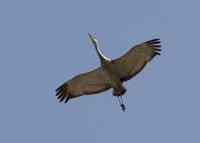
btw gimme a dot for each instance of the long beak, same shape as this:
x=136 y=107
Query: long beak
x=92 y=39
x=103 y=59
x=90 y=35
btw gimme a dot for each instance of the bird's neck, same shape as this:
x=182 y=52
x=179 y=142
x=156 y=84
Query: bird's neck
x=103 y=59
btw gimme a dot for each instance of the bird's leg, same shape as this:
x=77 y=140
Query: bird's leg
x=121 y=103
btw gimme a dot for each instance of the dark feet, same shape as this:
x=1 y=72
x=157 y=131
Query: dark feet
x=123 y=107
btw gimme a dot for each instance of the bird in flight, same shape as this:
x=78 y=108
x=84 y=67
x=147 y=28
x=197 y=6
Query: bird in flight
x=111 y=73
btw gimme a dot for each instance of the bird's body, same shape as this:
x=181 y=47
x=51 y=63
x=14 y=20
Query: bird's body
x=111 y=73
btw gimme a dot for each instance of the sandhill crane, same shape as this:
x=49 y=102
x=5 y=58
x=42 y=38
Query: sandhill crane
x=111 y=73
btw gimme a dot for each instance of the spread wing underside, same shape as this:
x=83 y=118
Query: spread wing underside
x=136 y=58
x=83 y=84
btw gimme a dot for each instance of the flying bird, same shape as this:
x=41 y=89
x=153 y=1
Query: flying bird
x=111 y=73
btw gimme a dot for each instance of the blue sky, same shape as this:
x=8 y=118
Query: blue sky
x=45 y=42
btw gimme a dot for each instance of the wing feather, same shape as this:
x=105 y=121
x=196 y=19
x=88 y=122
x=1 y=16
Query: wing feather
x=136 y=58
x=83 y=84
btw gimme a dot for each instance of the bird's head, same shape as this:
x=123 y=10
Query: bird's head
x=93 y=39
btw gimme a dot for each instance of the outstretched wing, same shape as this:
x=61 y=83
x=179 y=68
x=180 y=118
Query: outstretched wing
x=136 y=58
x=83 y=84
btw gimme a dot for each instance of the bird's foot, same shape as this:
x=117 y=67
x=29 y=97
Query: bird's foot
x=123 y=107
x=121 y=103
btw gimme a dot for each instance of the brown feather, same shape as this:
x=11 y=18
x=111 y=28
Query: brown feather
x=131 y=63
x=126 y=67
x=83 y=84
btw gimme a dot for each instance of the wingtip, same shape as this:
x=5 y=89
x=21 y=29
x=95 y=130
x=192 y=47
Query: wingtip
x=157 y=49
x=67 y=99
x=157 y=53
x=56 y=90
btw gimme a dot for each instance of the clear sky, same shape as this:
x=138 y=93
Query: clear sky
x=43 y=43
